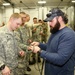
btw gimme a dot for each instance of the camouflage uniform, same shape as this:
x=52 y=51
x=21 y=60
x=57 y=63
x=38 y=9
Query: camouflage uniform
x=36 y=29
x=36 y=33
x=8 y=49
x=22 y=37
x=29 y=31
x=45 y=32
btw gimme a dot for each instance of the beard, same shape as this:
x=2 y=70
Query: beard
x=56 y=28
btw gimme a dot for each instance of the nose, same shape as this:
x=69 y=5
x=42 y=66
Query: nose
x=18 y=26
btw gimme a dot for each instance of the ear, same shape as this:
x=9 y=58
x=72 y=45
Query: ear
x=11 y=19
x=60 y=19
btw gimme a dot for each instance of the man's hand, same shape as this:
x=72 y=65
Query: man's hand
x=29 y=41
x=34 y=30
x=34 y=49
x=34 y=44
x=22 y=53
x=6 y=71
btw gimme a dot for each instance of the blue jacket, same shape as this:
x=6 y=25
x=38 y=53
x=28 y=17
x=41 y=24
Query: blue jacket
x=59 y=53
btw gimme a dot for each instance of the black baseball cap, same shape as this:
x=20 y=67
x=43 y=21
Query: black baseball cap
x=53 y=13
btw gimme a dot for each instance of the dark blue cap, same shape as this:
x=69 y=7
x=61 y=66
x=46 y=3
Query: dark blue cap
x=53 y=13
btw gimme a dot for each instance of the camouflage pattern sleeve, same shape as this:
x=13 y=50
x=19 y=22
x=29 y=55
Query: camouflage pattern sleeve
x=19 y=40
x=2 y=59
x=8 y=48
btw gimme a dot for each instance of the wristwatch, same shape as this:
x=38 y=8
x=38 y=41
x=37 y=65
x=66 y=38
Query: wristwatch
x=2 y=67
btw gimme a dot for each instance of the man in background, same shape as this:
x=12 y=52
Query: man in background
x=28 y=26
x=22 y=37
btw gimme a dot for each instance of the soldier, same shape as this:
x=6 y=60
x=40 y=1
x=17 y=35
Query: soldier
x=36 y=29
x=36 y=36
x=40 y=29
x=29 y=31
x=22 y=36
x=45 y=32
x=9 y=49
x=28 y=26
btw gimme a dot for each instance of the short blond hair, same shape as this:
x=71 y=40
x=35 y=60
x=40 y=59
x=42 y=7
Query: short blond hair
x=22 y=13
x=15 y=16
x=27 y=15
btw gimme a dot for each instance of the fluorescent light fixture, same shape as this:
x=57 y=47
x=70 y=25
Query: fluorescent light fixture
x=41 y=2
x=6 y=4
x=73 y=1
